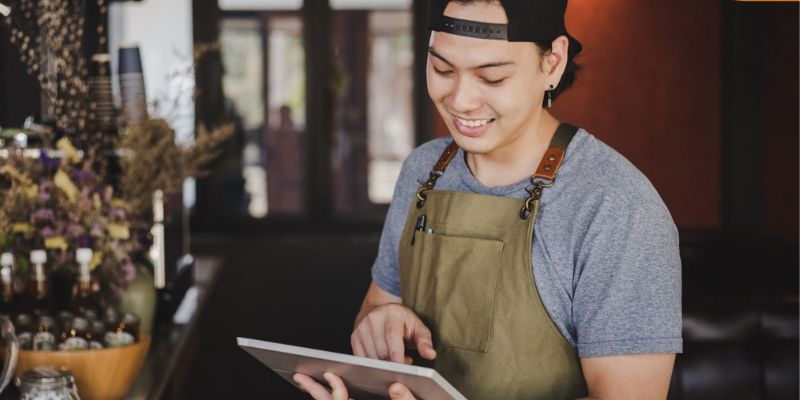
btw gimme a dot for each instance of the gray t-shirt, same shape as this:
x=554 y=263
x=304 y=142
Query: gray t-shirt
x=605 y=248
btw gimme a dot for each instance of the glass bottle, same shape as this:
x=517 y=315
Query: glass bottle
x=64 y=318
x=38 y=296
x=23 y=324
x=95 y=334
x=90 y=315
x=45 y=337
x=8 y=297
x=122 y=333
x=83 y=299
x=75 y=335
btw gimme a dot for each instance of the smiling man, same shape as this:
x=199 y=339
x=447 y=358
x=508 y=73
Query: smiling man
x=521 y=257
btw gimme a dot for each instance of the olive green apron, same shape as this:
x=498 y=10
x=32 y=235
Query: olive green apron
x=465 y=269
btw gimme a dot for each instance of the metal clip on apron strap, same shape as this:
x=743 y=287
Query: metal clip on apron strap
x=548 y=168
x=438 y=170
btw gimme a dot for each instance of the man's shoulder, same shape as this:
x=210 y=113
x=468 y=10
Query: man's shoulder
x=600 y=187
x=603 y=170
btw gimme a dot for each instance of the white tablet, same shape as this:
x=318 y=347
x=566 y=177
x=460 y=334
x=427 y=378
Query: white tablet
x=365 y=378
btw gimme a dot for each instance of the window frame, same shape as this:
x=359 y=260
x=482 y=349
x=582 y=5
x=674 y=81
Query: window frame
x=318 y=215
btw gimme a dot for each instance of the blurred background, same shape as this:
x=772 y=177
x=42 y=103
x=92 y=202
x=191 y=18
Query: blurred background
x=328 y=98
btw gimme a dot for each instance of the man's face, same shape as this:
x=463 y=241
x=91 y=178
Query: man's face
x=488 y=92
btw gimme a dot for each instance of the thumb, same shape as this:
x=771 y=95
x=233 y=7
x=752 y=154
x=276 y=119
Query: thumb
x=399 y=392
x=421 y=336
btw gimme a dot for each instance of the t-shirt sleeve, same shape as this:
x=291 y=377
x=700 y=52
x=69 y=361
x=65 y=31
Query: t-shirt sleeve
x=627 y=299
x=385 y=271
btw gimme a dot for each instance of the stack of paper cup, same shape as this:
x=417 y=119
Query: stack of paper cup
x=5 y=10
x=102 y=114
x=131 y=84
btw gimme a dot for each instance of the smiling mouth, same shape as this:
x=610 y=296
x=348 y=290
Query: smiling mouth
x=473 y=123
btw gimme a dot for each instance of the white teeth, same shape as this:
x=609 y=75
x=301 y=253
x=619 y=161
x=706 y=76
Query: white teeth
x=473 y=123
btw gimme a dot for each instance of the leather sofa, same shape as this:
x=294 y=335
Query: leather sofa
x=740 y=316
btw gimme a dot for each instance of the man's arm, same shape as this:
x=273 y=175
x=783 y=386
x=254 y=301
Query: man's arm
x=636 y=376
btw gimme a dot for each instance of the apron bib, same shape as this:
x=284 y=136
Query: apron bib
x=465 y=269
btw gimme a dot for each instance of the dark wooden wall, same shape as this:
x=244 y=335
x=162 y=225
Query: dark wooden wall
x=702 y=97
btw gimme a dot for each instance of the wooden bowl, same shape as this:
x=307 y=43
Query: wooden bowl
x=101 y=374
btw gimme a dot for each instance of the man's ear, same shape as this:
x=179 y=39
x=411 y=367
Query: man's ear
x=555 y=61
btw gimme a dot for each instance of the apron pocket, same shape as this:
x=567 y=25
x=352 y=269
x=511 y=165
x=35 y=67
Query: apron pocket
x=462 y=279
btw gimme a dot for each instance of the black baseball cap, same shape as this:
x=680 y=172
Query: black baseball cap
x=528 y=21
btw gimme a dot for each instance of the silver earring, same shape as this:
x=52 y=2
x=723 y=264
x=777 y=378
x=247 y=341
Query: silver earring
x=549 y=93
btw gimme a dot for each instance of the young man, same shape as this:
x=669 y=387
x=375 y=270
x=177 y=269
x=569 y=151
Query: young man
x=523 y=258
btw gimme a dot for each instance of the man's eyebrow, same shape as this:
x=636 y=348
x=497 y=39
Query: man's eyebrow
x=439 y=56
x=487 y=65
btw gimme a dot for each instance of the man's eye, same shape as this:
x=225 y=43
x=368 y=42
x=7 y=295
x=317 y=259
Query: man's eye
x=442 y=73
x=493 y=82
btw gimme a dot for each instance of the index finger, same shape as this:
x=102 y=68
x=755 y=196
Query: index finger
x=394 y=334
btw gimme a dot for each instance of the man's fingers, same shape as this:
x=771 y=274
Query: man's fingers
x=399 y=392
x=385 y=332
x=317 y=391
x=421 y=335
x=339 y=390
x=394 y=339
x=366 y=341
x=355 y=343
x=377 y=328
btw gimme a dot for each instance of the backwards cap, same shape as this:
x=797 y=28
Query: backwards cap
x=528 y=21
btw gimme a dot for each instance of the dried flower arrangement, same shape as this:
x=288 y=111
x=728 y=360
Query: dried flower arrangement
x=60 y=204
x=157 y=163
x=64 y=199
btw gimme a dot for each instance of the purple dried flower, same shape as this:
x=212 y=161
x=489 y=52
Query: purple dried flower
x=81 y=178
x=83 y=240
x=42 y=214
x=50 y=164
x=44 y=197
x=47 y=232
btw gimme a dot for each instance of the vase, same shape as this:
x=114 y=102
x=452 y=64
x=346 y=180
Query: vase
x=140 y=297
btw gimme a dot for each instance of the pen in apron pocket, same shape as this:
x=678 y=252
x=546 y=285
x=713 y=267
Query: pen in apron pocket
x=421 y=222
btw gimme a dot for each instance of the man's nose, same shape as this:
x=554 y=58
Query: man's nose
x=466 y=96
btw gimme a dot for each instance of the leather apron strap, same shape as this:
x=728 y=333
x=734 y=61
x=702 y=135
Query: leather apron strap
x=547 y=170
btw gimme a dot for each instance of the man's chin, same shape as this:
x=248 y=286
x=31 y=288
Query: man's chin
x=473 y=145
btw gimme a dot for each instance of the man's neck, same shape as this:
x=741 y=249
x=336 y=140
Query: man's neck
x=516 y=160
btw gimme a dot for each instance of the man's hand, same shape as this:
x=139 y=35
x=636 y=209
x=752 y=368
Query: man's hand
x=385 y=330
x=382 y=329
x=338 y=390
